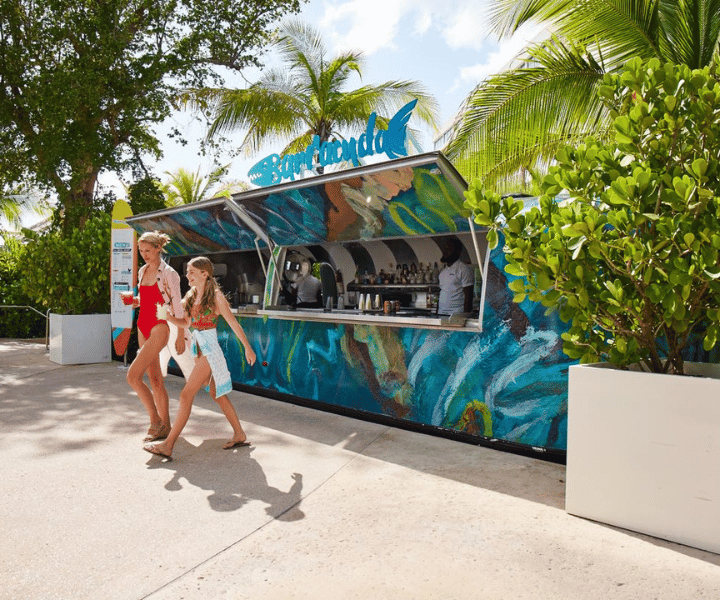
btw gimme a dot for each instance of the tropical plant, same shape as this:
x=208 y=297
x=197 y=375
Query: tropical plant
x=185 y=187
x=631 y=258
x=83 y=82
x=16 y=322
x=306 y=97
x=69 y=274
x=518 y=119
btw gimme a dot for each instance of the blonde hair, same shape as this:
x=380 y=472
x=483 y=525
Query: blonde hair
x=201 y=263
x=156 y=238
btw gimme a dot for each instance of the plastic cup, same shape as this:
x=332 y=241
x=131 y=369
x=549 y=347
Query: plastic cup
x=127 y=298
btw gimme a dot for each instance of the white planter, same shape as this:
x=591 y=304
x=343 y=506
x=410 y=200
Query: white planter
x=80 y=339
x=644 y=451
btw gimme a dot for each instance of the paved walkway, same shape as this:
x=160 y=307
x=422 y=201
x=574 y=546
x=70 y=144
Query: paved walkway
x=321 y=506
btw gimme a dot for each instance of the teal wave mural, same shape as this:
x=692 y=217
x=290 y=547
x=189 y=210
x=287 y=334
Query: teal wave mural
x=508 y=382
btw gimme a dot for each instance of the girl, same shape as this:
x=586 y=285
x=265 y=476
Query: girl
x=202 y=306
x=158 y=284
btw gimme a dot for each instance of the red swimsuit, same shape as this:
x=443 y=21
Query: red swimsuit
x=150 y=297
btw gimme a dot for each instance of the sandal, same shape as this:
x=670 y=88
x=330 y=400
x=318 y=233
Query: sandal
x=153 y=450
x=157 y=432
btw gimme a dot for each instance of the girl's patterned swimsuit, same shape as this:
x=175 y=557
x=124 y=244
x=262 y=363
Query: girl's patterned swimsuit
x=205 y=340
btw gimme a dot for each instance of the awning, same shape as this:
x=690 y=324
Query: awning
x=414 y=196
x=217 y=225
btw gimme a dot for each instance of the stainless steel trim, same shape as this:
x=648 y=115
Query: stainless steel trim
x=355 y=317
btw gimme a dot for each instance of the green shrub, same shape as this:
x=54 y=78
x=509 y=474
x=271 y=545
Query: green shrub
x=630 y=259
x=69 y=274
x=16 y=322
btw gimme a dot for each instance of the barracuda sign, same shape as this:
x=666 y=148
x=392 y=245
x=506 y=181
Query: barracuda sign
x=391 y=141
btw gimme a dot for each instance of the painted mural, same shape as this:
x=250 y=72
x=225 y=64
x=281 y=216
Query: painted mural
x=397 y=202
x=393 y=203
x=507 y=383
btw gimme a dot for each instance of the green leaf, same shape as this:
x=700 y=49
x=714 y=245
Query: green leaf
x=492 y=239
x=699 y=167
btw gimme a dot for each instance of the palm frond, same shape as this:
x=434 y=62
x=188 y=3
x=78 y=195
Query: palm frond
x=505 y=17
x=307 y=96
x=513 y=122
x=520 y=117
x=186 y=187
x=691 y=31
x=301 y=44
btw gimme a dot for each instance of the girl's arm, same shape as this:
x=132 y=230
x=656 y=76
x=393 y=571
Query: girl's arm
x=172 y=285
x=184 y=322
x=181 y=322
x=223 y=309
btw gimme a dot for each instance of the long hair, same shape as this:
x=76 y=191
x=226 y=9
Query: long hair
x=207 y=301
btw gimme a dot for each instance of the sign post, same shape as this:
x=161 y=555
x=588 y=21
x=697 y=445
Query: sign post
x=123 y=272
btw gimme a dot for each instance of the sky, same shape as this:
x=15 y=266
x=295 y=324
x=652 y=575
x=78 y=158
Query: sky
x=448 y=50
x=446 y=46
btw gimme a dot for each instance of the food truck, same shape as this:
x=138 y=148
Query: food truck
x=374 y=346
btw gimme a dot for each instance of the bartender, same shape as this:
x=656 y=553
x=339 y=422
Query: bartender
x=456 y=280
x=304 y=288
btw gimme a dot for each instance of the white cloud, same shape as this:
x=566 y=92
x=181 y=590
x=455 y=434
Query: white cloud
x=370 y=25
x=466 y=26
x=499 y=59
x=356 y=25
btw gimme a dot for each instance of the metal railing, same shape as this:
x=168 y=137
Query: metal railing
x=46 y=316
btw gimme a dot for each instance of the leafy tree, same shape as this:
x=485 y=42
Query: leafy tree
x=69 y=274
x=631 y=258
x=145 y=196
x=518 y=119
x=83 y=81
x=306 y=97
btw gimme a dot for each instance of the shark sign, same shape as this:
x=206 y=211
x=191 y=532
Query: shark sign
x=391 y=141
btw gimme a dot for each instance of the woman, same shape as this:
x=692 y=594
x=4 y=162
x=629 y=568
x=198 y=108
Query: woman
x=203 y=304
x=158 y=284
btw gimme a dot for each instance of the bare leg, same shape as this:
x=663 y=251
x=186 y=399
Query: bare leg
x=146 y=357
x=198 y=378
x=230 y=414
x=159 y=393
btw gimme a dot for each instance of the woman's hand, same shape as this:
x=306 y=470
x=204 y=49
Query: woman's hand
x=180 y=342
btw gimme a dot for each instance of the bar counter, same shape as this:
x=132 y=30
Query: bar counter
x=401 y=318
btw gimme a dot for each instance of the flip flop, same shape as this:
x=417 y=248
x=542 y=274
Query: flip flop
x=236 y=445
x=153 y=450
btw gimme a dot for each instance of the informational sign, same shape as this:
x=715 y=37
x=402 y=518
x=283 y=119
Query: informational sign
x=123 y=272
x=391 y=141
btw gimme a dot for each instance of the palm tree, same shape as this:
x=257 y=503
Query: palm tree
x=306 y=97
x=185 y=187
x=515 y=121
x=19 y=202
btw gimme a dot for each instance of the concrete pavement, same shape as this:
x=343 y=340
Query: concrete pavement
x=321 y=506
